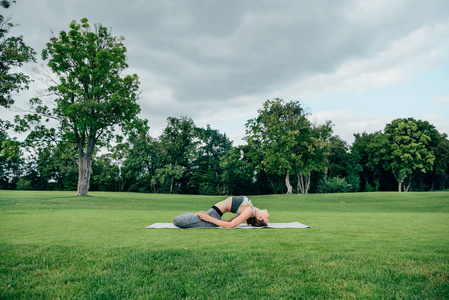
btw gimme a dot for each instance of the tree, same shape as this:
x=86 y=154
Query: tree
x=364 y=152
x=11 y=160
x=276 y=133
x=312 y=155
x=92 y=96
x=51 y=169
x=179 y=145
x=403 y=149
x=211 y=148
x=438 y=146
x=342 y=163
x=141 y=157
x=13 y=54
x=440 y=172
x=338 y=157
x=106 y=174
x=237 y=173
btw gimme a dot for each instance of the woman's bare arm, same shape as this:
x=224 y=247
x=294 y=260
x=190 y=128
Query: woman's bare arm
x=230 y=219
x=233 y=222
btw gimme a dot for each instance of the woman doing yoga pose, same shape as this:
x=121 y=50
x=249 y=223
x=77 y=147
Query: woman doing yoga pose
x=241 y=206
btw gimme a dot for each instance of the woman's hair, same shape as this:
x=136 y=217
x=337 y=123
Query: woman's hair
x=254 y=222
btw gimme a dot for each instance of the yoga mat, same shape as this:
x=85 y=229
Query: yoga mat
x=241 y=226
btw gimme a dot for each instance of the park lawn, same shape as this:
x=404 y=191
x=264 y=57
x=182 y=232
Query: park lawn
x=361 y=245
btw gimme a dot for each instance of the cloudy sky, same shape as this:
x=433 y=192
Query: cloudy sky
x=360 y=64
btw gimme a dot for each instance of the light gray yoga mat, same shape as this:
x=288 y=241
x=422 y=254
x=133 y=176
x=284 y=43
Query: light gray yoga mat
x=241 y=226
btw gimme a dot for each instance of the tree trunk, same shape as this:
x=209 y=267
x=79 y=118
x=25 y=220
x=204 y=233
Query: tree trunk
x=122 y=184
x=85 y=166
x=300 y=184
x=287 y=183
x=303 y=182
x=407 y=187
x=84 y=173
x=171 y=184
x=400 y=178
x=307 y=183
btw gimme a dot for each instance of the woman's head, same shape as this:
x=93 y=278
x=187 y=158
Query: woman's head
x=261 y=218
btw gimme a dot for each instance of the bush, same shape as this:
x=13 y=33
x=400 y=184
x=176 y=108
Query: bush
x=23 y=184
x=334 y=185
x=370 y=188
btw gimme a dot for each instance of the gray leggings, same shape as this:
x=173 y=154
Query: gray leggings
x=190 y=220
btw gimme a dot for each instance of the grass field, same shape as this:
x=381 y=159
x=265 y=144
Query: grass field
x=362 y=245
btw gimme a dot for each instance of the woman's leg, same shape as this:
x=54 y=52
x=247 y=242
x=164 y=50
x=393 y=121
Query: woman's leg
x=190 y=220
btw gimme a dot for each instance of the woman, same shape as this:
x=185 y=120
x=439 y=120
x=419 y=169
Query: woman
x=241 y=206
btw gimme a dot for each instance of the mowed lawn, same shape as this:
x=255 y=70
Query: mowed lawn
x=361 y=245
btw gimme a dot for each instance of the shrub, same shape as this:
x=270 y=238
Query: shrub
x=370 y=188
x=23 y=184
x=334 y=185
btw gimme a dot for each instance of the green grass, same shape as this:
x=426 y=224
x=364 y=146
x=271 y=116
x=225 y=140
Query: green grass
x=362 y=245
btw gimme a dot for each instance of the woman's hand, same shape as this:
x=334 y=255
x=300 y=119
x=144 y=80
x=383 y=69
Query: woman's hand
x=203 y=216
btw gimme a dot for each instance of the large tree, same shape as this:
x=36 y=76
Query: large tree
x=179 y=146
x=13 y=54
x=312 y=153
x=211 y=148
x=403 y=149
x=276 y=133
x=92 y=94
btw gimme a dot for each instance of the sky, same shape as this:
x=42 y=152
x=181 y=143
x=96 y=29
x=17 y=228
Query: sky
x=360 y=64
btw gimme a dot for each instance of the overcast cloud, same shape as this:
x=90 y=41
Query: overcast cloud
x=360 y=64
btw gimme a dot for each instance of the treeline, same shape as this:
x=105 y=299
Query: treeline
x=284 y=153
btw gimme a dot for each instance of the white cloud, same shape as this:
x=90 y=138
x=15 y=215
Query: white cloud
x=348 y=122
x=362 y=11
x=441 y=100
x=399 y=61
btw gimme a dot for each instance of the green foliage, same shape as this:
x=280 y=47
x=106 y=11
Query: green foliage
x=54 y=170
x=23 y=184
x=178 y=145
x=440 y=171
x=334 y=185
x=210 y=165
x=106 y=174
x=13 y=54
x=285 y=142
x=208 y=174
x=344 y=163
x=166 y=174
x=369 y=188
x=11 y=160
x=403 y=149
x=314 y=155
x=92 y=94
x=238 y=172
x=140 y=156
x=276 y=133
